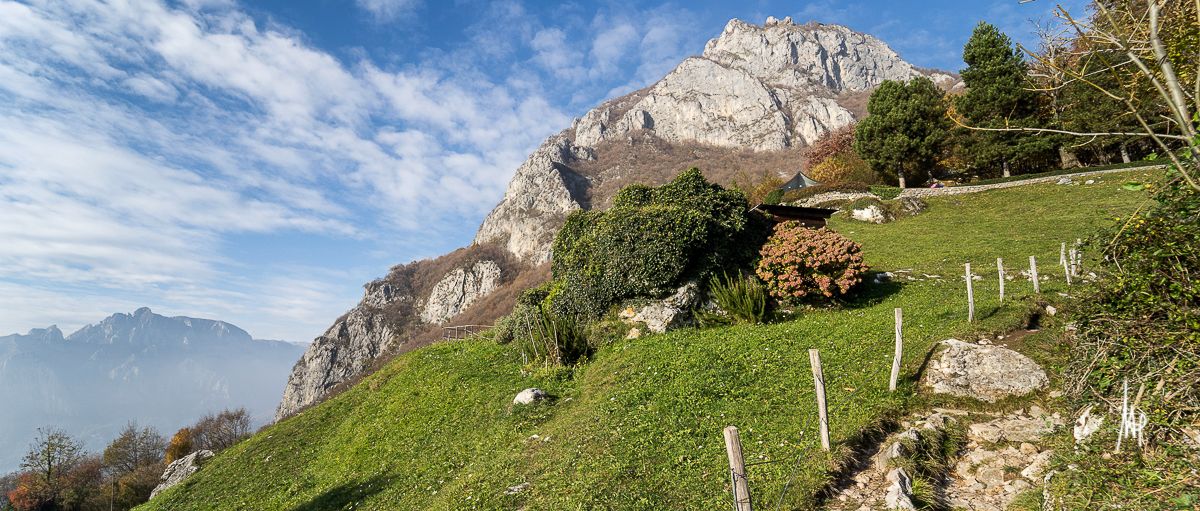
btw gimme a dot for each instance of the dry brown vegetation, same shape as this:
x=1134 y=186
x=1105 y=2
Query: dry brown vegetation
x=644 y=158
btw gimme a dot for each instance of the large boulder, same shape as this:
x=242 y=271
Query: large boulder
x=669 y=313
x=181 y=469
x=986 y=373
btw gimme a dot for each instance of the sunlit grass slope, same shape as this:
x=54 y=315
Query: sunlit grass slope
x=639 y=427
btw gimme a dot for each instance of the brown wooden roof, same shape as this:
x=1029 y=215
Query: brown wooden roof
x=812 y=217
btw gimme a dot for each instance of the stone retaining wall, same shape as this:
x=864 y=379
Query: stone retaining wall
x=956 y=190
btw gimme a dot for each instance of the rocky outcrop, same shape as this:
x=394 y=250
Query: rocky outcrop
x=985 y=373
x=392 y=311
x=538 y=198
x=761 y=87
x=181 y=469
x=669 y=313
x=341 y=353
x=459 y=289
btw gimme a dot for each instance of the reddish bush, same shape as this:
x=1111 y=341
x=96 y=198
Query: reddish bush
x=799 y=263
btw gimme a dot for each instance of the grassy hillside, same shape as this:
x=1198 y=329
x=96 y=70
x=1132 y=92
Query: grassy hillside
x=639 y=427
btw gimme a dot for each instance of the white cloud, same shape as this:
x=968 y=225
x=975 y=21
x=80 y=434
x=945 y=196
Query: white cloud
x=387 y=10
x=612 y=45
x=103 y=196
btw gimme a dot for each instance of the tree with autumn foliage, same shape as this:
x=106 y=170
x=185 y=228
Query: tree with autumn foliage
x=51 y=457
x=180 y=445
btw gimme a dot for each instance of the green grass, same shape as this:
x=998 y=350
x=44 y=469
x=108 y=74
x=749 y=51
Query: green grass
x=639 y=427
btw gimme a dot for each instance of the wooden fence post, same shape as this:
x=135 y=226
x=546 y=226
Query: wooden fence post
x=814 y=358
x=899 y=349
x=1000 y=271
x=1077 y=258
x=1062 y=253
x=970 y=296
x=1067 y=271
x=1037 y=289
x=737 y=469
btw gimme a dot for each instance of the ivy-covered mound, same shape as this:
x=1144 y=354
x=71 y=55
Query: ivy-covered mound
x=650 y=242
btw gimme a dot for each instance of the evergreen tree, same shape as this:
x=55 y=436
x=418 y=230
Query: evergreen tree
x=905 y=128
x=997 y=97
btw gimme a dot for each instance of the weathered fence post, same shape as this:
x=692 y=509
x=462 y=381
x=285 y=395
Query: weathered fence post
x=1067 y=271
x=1000 y=271
x=737 y=469
x=899 y=349
x=814 y=358
x=1037 y=289
x=970 y=295
x=1077 y=257
x=1062 y=254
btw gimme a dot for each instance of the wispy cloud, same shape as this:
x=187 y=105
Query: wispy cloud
x=388 y=10
x=135 y=138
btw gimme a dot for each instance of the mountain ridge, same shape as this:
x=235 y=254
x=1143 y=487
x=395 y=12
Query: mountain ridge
x=162 y=371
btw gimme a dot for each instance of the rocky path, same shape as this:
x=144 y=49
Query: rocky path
x=947 y=458
x=1002 y=457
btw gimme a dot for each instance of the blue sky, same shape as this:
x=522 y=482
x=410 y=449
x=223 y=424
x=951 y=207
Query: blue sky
x=257 y=162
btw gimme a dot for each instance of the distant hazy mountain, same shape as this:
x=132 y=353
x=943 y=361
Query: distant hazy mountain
x=163 y=372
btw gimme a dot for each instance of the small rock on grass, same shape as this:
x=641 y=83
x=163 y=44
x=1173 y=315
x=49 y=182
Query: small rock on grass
x=530 y=396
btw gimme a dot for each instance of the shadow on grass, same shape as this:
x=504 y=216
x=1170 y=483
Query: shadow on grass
x=870 y=292
x=342 y=496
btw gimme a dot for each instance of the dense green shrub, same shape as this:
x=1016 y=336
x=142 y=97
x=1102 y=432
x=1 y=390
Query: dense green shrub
x=524 y=313
x=743 y=297
x=651 y=241
x=775 y=197
x=542 y=335
x=799 y=263
x=1141 y=321
x=886 y=192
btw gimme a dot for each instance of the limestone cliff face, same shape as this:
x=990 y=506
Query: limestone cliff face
x=345 y=350
x=538 y=198
x=765 y=90
x=459 y=289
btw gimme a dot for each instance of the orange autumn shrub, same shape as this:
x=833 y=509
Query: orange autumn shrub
x=800 y=263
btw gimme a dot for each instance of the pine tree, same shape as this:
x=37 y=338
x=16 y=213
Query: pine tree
x=905 y=128
x=996 y=97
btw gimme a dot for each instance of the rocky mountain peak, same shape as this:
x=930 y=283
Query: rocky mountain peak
x=48 y=335
x=815 y=56
x=144 y=327
x=771 y=87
